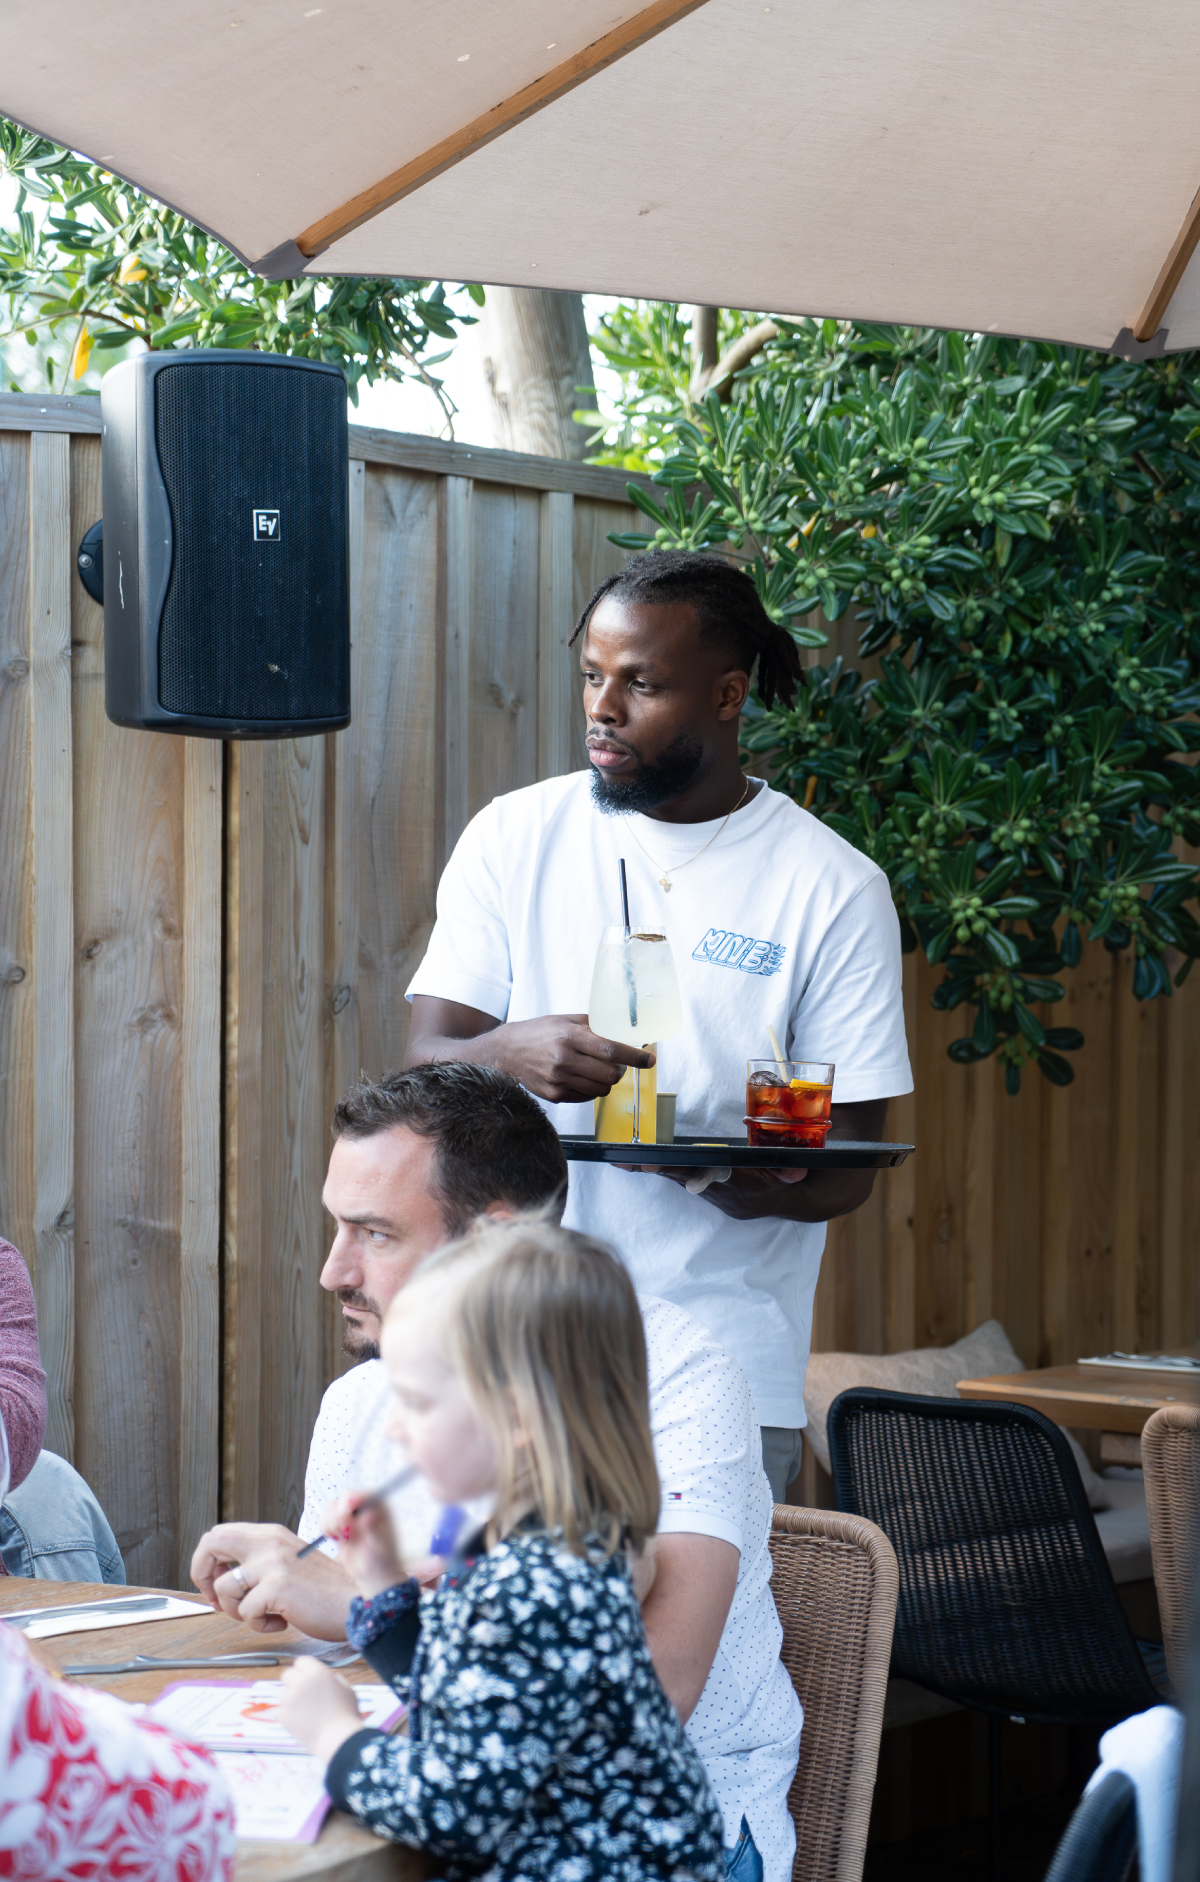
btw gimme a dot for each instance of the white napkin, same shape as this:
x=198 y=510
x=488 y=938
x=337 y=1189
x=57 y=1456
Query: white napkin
x=699 y=1180
x=1148 y=1748
x=92 y=1619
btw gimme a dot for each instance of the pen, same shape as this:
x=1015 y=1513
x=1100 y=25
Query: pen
x=368 y=1503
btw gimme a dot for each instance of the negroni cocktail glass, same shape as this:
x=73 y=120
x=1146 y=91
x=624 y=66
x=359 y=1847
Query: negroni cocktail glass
x=787 y=1102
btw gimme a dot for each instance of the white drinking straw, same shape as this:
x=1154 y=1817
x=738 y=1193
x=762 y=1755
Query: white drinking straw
x=775 y=1046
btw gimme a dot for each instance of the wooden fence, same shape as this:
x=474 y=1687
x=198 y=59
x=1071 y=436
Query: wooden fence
x=200 y=946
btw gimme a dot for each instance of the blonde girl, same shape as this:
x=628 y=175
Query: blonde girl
x=541 y=1746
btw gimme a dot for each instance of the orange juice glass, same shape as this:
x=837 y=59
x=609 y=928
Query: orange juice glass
x=787 y=1102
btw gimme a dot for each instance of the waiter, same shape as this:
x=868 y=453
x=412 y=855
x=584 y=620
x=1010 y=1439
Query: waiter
x=773 y=920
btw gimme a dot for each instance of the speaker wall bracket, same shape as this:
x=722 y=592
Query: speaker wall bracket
x=89 y=560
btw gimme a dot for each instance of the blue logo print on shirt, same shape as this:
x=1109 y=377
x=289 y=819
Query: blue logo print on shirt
x=725 y=949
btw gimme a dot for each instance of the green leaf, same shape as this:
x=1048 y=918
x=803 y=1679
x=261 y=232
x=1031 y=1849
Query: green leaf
x=1055 y=1069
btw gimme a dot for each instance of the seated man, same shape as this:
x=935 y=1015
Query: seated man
x=417 y=1158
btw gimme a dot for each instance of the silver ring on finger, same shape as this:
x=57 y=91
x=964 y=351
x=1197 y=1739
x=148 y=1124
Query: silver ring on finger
x=243 y=1584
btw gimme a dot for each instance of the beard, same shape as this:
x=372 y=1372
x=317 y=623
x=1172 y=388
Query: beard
x=656 y=782
x=356 y=1344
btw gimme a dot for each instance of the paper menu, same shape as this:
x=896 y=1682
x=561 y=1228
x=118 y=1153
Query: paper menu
x=278 y=1790
x=278 y=1796
x=243 y=1715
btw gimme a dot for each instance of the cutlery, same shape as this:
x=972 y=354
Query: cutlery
x=26 y=1617
x=334 y=1655
x=152 y=1663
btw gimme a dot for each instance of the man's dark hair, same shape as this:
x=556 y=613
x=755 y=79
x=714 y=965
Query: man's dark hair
x=494 y=1142
x=727 y=606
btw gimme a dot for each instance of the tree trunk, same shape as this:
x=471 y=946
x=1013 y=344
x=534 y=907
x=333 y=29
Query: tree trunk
x=705 y=349
x=534 y=349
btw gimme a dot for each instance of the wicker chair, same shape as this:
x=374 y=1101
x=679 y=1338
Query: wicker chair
x=835 y=1585
x=1006 y=1601
x=1098 y=1843
x=1171 y=1461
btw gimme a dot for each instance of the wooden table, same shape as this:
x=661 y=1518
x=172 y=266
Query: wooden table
x=1111 y=1399
x=344 y=1851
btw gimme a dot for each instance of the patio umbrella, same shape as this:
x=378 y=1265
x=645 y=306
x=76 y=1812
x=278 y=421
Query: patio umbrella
x=1023 y=166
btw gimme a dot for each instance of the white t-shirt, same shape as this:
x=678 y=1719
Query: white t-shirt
x=778 y=922
x=746 y=1725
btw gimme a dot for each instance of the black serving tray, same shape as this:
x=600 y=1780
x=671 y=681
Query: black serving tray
x=690 y=1153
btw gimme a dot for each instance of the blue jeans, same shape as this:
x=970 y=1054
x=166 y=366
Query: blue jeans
x=52 y=1527
x=743 y=1862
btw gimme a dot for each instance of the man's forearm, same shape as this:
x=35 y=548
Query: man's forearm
x=485 y=1048
x=557 y=1057
x=446 y=1030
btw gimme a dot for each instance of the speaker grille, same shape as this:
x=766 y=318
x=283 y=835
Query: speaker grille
x=254 y=628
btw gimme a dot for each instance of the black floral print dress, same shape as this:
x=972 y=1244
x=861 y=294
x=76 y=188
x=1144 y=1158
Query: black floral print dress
x=541 y=1746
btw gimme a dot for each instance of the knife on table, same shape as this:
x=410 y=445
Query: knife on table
x=25 y=1617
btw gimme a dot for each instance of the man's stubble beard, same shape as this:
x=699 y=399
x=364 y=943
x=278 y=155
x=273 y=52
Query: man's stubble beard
x=357 y=1345
x=665 y=777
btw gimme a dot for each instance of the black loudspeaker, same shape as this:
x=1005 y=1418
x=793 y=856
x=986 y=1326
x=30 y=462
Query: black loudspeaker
x=226 y=545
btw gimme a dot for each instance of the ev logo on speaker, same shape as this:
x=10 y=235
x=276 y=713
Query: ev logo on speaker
x=266 y=525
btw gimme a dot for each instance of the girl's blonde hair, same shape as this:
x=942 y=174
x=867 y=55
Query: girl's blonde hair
x=545 y=1331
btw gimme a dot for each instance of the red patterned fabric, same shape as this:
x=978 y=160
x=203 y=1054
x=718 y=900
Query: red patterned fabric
x=90 y=1792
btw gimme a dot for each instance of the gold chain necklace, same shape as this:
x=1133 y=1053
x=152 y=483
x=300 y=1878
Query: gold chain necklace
x=664 y=880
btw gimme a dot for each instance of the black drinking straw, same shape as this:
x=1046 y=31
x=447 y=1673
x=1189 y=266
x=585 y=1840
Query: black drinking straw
x=633 y=1006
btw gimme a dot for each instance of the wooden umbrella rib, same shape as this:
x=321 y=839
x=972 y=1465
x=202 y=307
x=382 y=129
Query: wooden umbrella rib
x=1170 y=274
x=468 y=138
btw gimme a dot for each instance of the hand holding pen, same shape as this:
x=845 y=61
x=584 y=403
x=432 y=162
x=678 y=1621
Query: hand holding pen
x=368 y=1547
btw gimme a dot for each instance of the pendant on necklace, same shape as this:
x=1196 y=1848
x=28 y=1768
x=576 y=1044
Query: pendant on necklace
x=664 y=885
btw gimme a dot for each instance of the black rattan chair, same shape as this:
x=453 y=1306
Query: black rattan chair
x=1007 y=1603
x=1098 y=1843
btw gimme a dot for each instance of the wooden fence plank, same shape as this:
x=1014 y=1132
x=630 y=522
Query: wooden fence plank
x=129 y=923
x=1175 y=1163
x=342 y=813
x=343 y=920
x=1126 y=1102
x=128 y=800
x=200 y=1222
x=503 y=694
x=979 y=1200
x=295 y=1127
x=242 y=1239
x=395 y=820
x=39 y=411
x=51 y=561
x=18 y=1169
x=510 y=469
x=940 y=1280
x=1021 y=1155
x=558 y=672
x=455 y=599
x=899 y=1252
x=1090 y=1106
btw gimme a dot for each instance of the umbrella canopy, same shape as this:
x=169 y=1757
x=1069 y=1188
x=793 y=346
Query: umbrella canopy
x=1023 y=166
